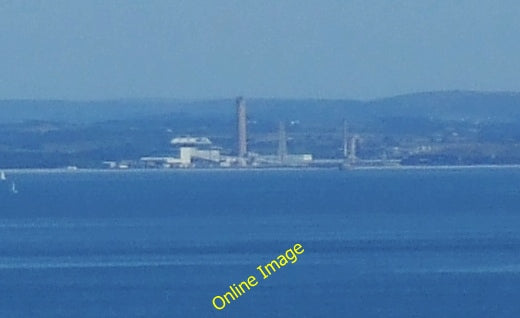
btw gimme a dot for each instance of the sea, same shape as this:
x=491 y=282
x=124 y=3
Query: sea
x=376 y=243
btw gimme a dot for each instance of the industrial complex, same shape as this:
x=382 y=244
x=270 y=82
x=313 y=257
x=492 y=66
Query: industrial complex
x=421 y=130
x=200 y=151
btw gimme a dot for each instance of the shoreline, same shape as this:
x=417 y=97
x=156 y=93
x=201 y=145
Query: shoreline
x=173 y=170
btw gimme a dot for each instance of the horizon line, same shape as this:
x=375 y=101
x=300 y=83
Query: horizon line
x=200 y=99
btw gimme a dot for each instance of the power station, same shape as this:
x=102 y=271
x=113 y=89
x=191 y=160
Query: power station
x=200 y=151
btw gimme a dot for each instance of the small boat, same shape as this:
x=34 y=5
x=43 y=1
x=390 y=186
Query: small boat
x=13 y=188
x=2 y=176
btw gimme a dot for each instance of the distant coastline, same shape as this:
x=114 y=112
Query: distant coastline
x=417 y=131
x=234 y=169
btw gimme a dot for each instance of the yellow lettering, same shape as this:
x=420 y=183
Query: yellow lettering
x=291 y=255
x=297 y=247
x=237 y=290
x=222 y=300
x=226 y=297
x=261 y=271
x=282 y=260
x=272 y=267
x=242 y=288
x=251 y=281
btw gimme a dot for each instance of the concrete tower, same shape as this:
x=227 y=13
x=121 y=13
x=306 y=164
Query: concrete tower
x=352 y=156
x=282 y=143
x=242 y=127
x=345 y=139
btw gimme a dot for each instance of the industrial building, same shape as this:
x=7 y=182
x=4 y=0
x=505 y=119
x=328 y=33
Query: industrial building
x=200 y=151
x=191 y=150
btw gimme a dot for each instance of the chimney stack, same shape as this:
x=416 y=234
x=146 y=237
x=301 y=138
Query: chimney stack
x=242 y=127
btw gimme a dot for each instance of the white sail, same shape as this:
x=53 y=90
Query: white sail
x=13 y=188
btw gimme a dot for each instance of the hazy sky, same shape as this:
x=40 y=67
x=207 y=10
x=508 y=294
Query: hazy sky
x=217 y=48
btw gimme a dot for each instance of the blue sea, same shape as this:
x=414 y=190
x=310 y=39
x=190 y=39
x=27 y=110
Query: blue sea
x=377 y=243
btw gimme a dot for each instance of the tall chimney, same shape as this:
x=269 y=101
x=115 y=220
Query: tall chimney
x=345 y=139
x=282 y=142
x=242 y=127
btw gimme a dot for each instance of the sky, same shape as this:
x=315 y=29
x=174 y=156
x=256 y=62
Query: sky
x=193 y=49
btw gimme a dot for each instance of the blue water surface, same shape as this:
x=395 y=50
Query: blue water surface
x=378 y=243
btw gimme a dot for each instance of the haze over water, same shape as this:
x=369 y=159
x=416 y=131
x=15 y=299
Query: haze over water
x=84 y=50
x=378 y=243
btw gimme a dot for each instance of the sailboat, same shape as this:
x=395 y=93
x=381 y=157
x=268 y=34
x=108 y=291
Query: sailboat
x=13 y=188
x=2 y=176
